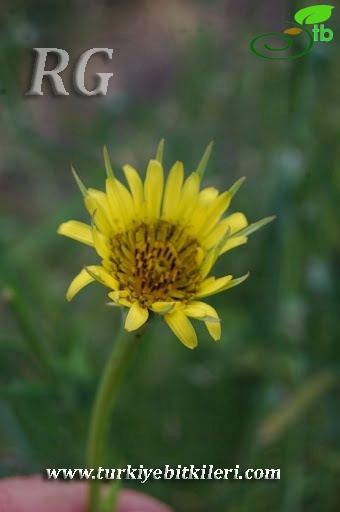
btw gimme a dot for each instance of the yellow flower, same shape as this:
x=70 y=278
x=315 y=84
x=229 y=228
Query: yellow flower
x=158 y=243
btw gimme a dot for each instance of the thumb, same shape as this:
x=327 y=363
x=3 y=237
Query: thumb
x=34 y=494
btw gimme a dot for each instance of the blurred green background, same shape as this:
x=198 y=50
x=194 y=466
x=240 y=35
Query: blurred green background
x=266 y=395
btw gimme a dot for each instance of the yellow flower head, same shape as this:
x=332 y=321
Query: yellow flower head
x=158 y=243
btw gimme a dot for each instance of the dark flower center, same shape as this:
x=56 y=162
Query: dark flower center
x=156 y=262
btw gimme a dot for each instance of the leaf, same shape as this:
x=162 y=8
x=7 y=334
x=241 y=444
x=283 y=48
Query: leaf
x=293 y=31
x=314 y=14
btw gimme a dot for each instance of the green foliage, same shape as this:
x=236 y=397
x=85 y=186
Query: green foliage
x=266 y=395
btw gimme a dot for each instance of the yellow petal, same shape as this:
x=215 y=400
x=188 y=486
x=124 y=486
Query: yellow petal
x=162 y=307
x=210 y=318
x=213 y=254
x=207 y=263
x=120 y=203
x=78 y=231
x=201 y=311
x=214 y=329
x=207 y=218
x=97 y=205
x=189 y=197
x=234 y=242
x=137 y=316
x=136 y=187
x=115 y=296
x=101 y=244
x=182 y=327
x=205 y=209
x=199 y=256
x=120 y=298
x=127 y=202
x=234 y=222
x=103 y=276
x=81 y=280
x=207 y=196
x=153 y=189
x=172 y=191
x=211 y=285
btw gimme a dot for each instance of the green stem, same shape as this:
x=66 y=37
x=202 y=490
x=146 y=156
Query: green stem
x=122 y=352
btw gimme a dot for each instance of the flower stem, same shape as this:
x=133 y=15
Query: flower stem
x=122 y=352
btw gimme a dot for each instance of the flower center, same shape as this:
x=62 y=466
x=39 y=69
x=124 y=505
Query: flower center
x=156 y=262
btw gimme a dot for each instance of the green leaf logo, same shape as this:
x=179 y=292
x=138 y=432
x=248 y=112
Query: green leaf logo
x=314 y=14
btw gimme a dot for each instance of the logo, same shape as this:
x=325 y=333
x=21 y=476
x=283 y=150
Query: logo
x=78 y=73
x=314 y=15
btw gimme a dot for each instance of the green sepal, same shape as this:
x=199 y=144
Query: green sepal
x=235 y=282
x=80 y=184
x=214 y=252
x=236 y=186
x=204 y=160
x=159 y=153
x=255 y=226
x=219 y=246
x=108 y=168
